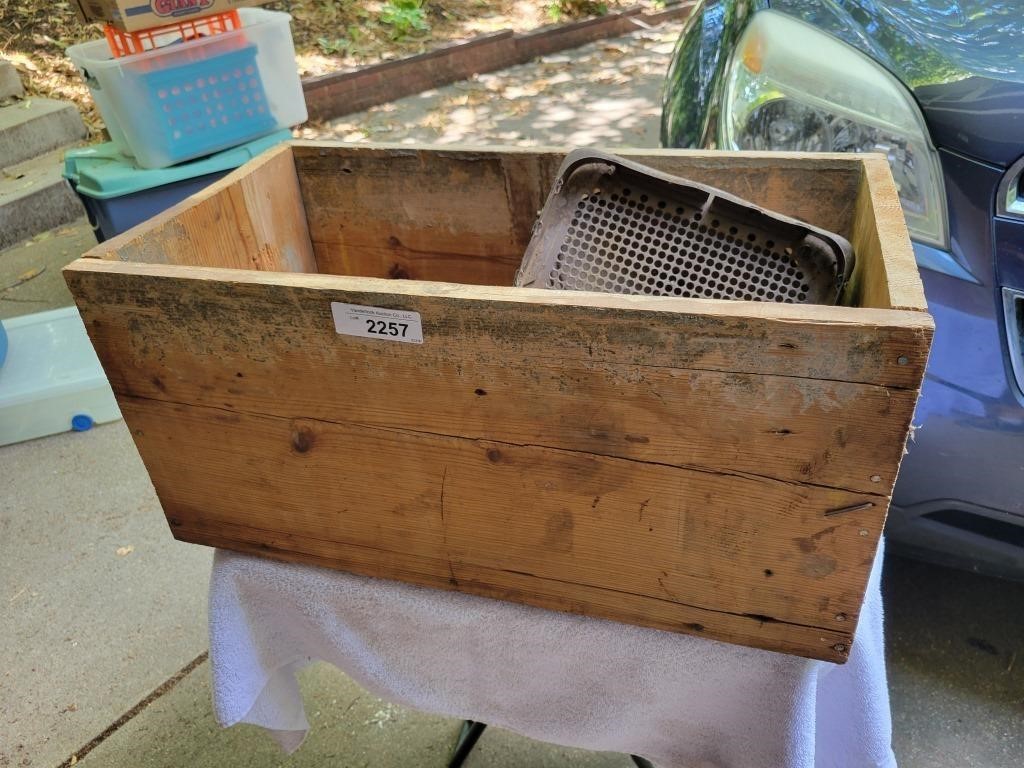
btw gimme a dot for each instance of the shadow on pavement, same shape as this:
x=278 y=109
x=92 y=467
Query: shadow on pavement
x=956 y=666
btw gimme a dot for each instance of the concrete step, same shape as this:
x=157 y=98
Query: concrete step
x=10 y=82
x=35 y=126
x=34 y=198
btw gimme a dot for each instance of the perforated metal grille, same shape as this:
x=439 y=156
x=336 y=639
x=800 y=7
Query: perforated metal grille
x=622 y=241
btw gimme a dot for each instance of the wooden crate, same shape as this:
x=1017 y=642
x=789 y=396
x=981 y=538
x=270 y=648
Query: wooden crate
x=711 y=467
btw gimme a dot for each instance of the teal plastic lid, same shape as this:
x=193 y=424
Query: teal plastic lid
x=101 y=172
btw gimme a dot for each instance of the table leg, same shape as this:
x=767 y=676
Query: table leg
x=468 y=736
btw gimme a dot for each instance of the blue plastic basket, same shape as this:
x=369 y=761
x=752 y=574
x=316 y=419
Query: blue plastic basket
x=191 y=98
x=213 y=101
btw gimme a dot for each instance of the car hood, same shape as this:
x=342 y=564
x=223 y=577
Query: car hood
x=961 y=58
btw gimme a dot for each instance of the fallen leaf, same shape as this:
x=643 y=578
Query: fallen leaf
x=24 y=277
x=24 y=63
x=30 y=273
x=122 y=551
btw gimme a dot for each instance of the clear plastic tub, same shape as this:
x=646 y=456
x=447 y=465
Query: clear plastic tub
x=52 y=381
x=193 y=98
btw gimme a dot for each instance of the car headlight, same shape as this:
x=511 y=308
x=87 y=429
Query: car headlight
x=792 y=87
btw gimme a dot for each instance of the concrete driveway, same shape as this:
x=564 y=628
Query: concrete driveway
x=606 y=93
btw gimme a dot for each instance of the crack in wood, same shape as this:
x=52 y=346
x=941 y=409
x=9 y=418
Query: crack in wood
x=758 y=618
x=689 y=467
x=696 y=369
x=426 y=433
x=851 y=508
x=444 y=478
x=444 y=533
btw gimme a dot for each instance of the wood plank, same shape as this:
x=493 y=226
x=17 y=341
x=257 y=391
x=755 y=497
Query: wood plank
x=638 y=610
x=465 y=214
x=411 y=215
x=273 y=202
x=883 y=347
x=251 y=219
x=721 y=551
x=582 y=388
x=885 y=258
x=339 y=93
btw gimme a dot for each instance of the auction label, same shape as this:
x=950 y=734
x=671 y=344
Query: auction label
x=377 y=323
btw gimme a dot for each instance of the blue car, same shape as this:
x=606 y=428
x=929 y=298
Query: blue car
x=938 y=87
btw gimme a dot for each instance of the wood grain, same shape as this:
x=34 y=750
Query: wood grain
x=880 y=240
x=700 y=541
x=835 y=343
x=465 y=214
x=569 y=378
x=251 y=219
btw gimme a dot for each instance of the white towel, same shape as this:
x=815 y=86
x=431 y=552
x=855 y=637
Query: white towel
x=679 y=701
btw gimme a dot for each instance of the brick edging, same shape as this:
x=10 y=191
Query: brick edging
x=341 y=93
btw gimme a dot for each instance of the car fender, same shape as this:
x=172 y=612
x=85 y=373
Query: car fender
x=694 y=82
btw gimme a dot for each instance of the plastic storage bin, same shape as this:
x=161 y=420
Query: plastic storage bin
x=117 y=194
x=51 y=381
x=197 y=97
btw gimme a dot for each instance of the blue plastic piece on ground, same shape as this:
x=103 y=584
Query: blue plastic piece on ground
x=3 y=344
x=81 y=422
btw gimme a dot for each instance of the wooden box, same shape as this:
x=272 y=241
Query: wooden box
x=711 y=467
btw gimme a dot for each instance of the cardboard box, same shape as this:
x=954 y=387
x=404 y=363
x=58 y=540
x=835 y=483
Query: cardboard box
x=135 y=15
x=721 y=468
